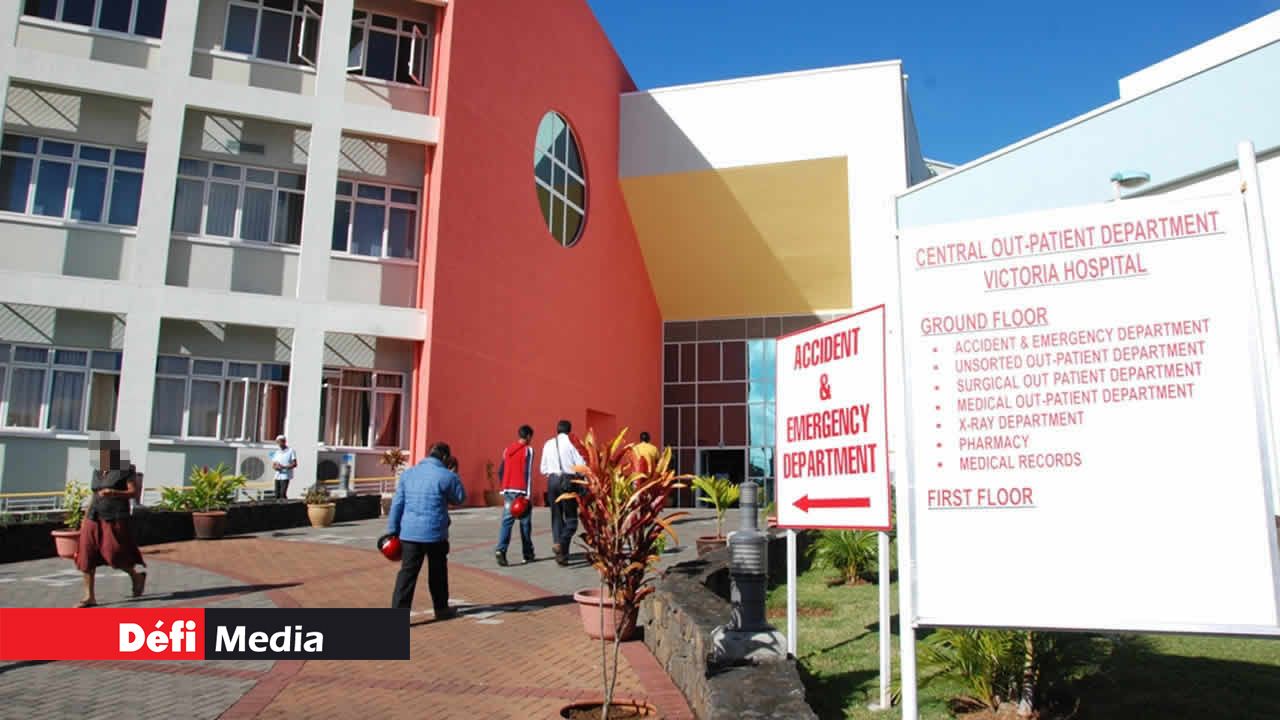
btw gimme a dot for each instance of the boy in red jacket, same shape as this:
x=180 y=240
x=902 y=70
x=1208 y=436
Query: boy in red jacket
x=515 y=474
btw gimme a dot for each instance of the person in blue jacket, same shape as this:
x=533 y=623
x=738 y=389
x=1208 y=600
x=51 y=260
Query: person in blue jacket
x=419 y=515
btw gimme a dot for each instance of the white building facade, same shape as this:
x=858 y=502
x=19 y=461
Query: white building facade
x=212 y=215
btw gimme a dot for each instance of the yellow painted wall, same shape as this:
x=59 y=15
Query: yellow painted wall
x=759 y=240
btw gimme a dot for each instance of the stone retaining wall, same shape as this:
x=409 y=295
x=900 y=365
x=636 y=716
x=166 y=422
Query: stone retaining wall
x=689 y=602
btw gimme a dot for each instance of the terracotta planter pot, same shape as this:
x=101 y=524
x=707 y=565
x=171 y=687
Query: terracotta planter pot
x=589 y=608
x=619 y=709
x=321 y=515
x=67 y=542
x=209 y=525
x=709 y=543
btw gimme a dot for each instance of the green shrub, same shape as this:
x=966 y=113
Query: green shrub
x=851 y=553
x=73 y=501
x=719 y=492
x=210 y=489
x=316 y=495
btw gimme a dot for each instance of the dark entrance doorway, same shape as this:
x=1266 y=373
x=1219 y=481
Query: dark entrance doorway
x=731 y=464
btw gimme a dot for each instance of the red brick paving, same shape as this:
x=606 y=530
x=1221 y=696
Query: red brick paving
x=529 y=666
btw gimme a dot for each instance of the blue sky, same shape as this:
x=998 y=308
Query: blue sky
x=983 y=74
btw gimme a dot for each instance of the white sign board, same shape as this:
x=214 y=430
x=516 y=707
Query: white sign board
x=832 y=441
x=1086 y=438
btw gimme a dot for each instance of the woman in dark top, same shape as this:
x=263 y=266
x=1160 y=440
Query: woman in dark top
x=105 y=537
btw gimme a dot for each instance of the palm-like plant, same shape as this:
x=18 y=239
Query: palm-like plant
x=394 y=459
x=987 y=662
x=849 y=552
x=720 y=493
x=210 y=489
x=73 y=502
x=620 y=506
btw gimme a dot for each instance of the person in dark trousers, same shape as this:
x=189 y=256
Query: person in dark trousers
x=419 y=515
x=559 y=458
x=105 y=536
x=515 y=473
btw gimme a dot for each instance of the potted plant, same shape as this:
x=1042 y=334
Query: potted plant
x=721 y=493
x=74 y=498
x=207 y=498
x=620 y=506
x=320 y=508
x=395 y=460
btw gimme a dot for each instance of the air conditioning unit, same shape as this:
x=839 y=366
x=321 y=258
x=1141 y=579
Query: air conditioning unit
x=254 y=464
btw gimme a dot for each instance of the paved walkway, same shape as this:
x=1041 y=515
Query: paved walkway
x=517 y=651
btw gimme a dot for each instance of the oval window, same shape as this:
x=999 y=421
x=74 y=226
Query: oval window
x=559 y=179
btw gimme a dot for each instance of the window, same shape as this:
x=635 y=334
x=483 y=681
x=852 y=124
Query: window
x=71 y=181
x=219 y=400
x=389 y=48
x=361 y=408
x=559 y=179
x=280 y=30
x=238 y=202
x=135 y=17
x=375 y=220
x=66 y=389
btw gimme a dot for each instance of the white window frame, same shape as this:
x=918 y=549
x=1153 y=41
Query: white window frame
x=308 y=14
x=226 y=381
x=563 y=165
x=242 y=184
x=40 y=156
x=353 y=199
x=96 y=25
x=331 y=381
x=86 y=371
x=297 y=27
x=364 y=24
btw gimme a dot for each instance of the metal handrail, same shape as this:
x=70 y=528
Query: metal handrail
x=43 y=501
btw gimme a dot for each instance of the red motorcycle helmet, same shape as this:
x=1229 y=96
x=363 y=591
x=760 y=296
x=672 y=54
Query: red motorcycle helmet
x=520 y=506
x=389 y=546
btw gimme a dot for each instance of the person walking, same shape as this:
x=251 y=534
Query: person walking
x=645 y=449
x=283 y=461
x=419 y=516
x=105 y=537
x=559 y=458
x=515 y=473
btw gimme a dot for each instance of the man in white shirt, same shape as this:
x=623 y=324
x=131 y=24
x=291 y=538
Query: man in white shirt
x=283 y=461
x=559 y=458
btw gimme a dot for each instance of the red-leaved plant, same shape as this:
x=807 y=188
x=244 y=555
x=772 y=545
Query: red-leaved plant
x=620 y=504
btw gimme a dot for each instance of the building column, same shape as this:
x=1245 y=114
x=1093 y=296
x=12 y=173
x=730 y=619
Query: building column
x=306 y=370
x=137 y=385
x=322 y=152
x=8 y=36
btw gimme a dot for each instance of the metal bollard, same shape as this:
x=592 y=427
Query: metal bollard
x=748 y=564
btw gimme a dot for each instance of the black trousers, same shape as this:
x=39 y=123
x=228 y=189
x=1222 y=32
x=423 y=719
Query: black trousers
x=411 y=556
x=564 y=514
x=282 y=489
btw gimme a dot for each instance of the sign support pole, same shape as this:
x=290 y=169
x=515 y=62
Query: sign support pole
x=886 y=629
x=791 y=593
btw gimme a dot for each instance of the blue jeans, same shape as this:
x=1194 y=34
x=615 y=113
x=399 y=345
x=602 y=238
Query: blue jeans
x=526 y=527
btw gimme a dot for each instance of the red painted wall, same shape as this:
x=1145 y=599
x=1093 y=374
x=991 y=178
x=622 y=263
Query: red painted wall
x=521 y=329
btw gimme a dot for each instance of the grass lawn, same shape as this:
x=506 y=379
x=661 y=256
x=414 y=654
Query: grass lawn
x=1176 y=677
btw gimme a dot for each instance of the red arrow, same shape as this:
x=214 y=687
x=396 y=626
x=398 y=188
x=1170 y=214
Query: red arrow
x=804 y=503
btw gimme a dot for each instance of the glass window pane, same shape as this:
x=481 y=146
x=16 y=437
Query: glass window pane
x=574 y=161
x=242 y=370
x=26 y=393
x=195 y=168
x=275 y=372
x=354 y=417
x=95 y=154
x=356 y=378
x=74 y=358
x=61 y=149
x=19 y=143
x=104 y=392
x=30 y=354
x=221 y=220
x=115 y=15
x=207 y=367
x=131 y=159
x=572 y=223
x=389 y=380
x=386 y=429
x=202 y=416
x=344 y=188
x=4 y=356
x=402 y=233
x=47 y=9
x=404 y=52
x=15 y=181
x=242 y=27
x=265 y=177
x=51 y=188
x=306 y=29
x=172 y=365
x=576 y=192
x=233 y=411
x=292 y=181
x=355 y=49
x=150 y=19
x=79 y=12
x=273 y=36
x=90 y=193
x=381 y=60
x=274 y=401
x=167 y=406
x=255 y=221
x=230 y=172
x=384 y=21
x=288 y=218
x=557 y=219
x=372 y=192
x=341 y=225
x=66 y=400
x=126 y=194
x=188 y=205
x=366 y=234
x=106 y=360
x=404 y=197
